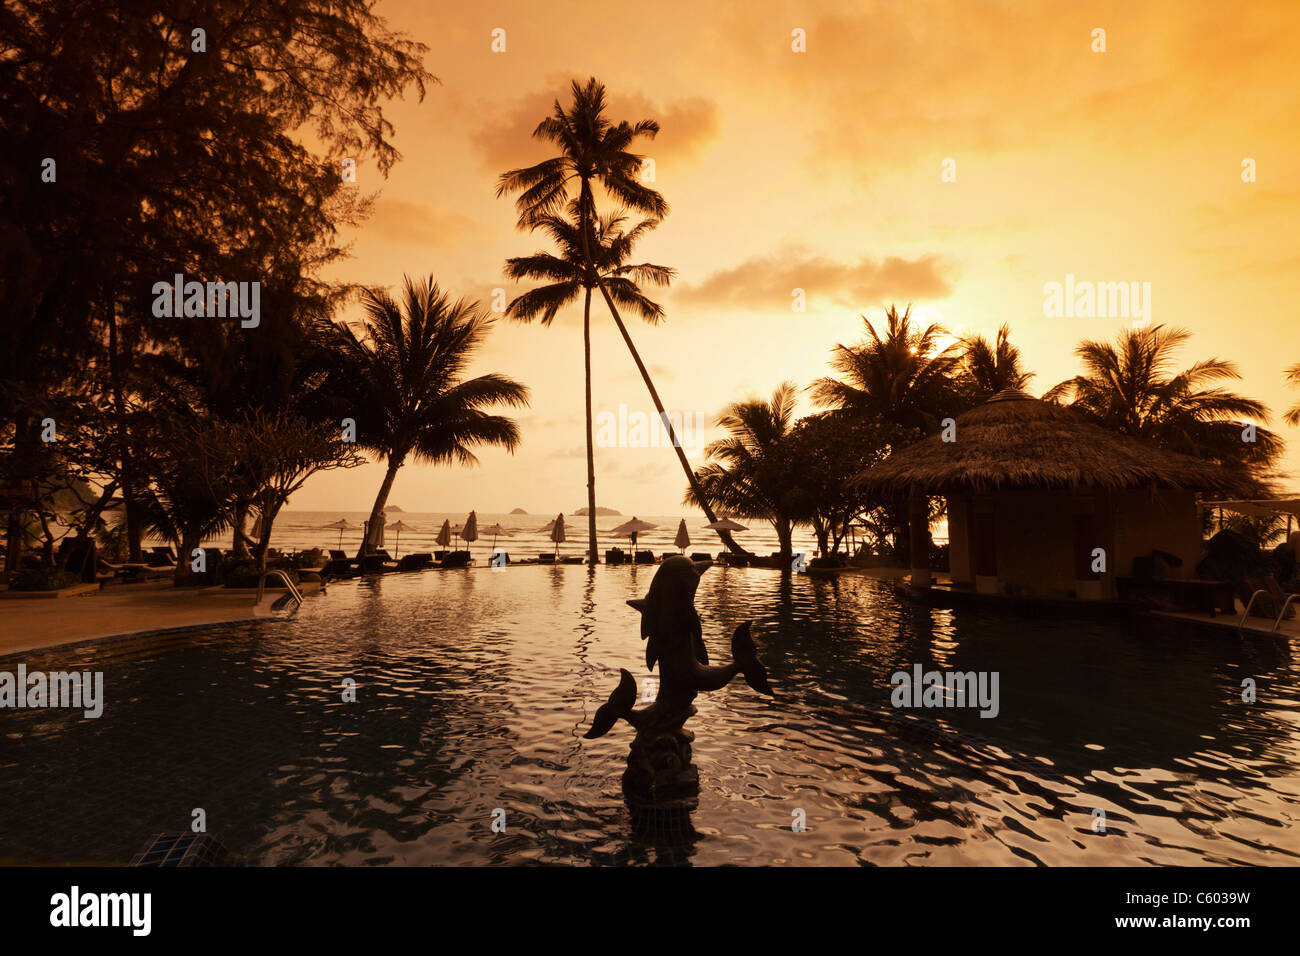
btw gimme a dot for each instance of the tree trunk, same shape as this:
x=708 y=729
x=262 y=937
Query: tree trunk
x=654 y=394
x=184 y=576
x=593 y=555
x=822 y=530
x=13 y=542
x=381 y=499
x=130 y=505
x=785 y=539
x=238 y=546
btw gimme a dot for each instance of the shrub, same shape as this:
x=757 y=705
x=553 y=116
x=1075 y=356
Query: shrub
x=42 y=579
x=244 y=573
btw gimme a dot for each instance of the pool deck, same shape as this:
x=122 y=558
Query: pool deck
x=29 y=624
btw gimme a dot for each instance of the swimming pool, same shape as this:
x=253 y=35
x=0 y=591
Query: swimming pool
x=473 y=689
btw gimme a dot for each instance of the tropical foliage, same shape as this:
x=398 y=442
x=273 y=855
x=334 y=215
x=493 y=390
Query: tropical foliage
x=1135 y=387
x=402 y=376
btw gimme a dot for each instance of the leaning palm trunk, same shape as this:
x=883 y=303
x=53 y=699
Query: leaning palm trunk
x=381 y=499
x=593 y=555
x=586 y=202
x=726 y=537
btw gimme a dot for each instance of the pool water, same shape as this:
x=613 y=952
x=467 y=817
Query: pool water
x=473 y=690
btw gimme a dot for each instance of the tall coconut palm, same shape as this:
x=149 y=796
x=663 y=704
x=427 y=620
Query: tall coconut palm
x=569 y=275
x=904 y=377
x=989 y=368
x=595 y=151
x=754 y=474
x=402 y=378
x=1132 y=386
x=1292 y=415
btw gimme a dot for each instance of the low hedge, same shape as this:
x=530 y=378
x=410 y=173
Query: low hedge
x=42 y=579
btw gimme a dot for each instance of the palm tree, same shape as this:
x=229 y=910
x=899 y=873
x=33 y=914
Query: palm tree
x=992 y=368
x=403 y=381
x=1292 y=416
x=754 y=474
x=594 y=150
x=903 y=377
x=568 y=274
x=1132 y=387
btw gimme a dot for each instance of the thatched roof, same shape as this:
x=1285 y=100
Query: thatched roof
x=1017 y=441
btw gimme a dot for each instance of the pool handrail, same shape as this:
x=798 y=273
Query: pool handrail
x=294 y=593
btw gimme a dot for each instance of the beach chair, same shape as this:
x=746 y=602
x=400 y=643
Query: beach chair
x=161 y=556
x=456 y=559
x=701 y=556
x=645 y=557
x=415 y=562
x=547 y=558
x=379 y=562
x=615 y=556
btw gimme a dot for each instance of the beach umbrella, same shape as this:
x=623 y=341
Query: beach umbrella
x=557 y=531
x=470 y=534
x=683 y=539
x=399 y=527
x=376 y=535
x=495 y=530
x=343 y=524
x=725 y=524
x=444 y=536
x=633 y=527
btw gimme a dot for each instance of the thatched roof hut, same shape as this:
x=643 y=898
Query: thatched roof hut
x=1044 y=504
x=1017 y=441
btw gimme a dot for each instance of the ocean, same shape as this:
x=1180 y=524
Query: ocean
x=302 y=530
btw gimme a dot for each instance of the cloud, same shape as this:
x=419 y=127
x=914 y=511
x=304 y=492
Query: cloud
x=765 y=282
x=685 y=126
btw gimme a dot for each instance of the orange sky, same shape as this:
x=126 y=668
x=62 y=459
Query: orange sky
x=821 y=170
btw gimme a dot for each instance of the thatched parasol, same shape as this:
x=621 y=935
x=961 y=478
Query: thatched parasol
x=1017 y=441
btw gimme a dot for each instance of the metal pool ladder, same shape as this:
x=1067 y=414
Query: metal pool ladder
x=1280 y=614
x=294 y=594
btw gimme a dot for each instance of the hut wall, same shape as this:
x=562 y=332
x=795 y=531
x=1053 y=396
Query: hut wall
x=1167 y=520
x=1035 y=543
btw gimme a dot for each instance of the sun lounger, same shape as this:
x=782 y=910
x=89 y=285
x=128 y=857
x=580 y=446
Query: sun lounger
x=378 y=563
x=456 y=559
x=546 y=558
x=615 y=556
x=645 y=557
x=415 y=562
x=701 y=556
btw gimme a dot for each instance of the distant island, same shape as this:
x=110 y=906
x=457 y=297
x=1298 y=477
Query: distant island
x=518 y=511
x=600 y=512
x=400 y=511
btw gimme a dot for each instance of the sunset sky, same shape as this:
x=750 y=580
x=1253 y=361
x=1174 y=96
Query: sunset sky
x=822 y=170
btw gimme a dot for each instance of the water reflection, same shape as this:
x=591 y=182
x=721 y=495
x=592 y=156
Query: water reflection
x=473 y=689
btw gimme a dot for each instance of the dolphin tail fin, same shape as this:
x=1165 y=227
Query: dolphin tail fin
x=745 y=654
x=620 y=704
